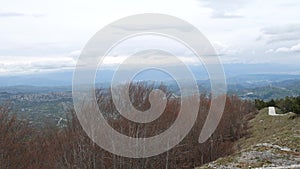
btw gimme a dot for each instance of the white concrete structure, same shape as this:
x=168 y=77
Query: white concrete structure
x=272 y=112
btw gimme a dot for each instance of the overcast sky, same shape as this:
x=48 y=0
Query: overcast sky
x=39 y=35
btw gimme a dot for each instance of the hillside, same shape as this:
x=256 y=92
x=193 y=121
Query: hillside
x=273 y=142
x=267 y=91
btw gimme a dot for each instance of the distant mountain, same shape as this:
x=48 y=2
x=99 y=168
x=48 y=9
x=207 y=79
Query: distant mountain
x=259 y=80
x=39 y=79
x=34 y=89
x=238 y=76
x=52 y=79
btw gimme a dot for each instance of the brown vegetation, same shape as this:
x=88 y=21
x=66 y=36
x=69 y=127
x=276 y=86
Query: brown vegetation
x=50 y=147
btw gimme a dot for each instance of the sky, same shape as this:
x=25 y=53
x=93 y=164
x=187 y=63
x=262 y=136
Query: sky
x=44 y=35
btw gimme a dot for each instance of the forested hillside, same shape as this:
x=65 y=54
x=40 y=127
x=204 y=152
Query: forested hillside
x=22 y=146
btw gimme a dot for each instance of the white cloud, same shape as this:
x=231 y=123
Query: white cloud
x=20 y=14
x=225 y=9
x=25 y=64
x=269 y=51
x=75 y=54
x=226 y=15
x=295 y=48
x=283 y=49
x=54 y=28
x=281 y=33
x=223 y=49
x=11 y=14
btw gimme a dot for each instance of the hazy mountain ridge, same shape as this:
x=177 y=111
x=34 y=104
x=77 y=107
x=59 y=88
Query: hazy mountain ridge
x=245 y=74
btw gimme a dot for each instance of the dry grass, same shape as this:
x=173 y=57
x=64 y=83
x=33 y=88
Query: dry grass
x=279 y=130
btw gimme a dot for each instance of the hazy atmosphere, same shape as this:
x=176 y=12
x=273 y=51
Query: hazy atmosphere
x=42 y=36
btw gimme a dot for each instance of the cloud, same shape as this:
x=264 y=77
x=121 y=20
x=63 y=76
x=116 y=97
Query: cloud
x=25 y=64
x=277 y=33
x=226 y=15
x=151 y=25
x=11 y=14
x=270 y=51
x=38 y=15
x=295 y=48
x=75 y=54
x=19 y=14
x=225 y=8
x=223 y=49
x=224 y=5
